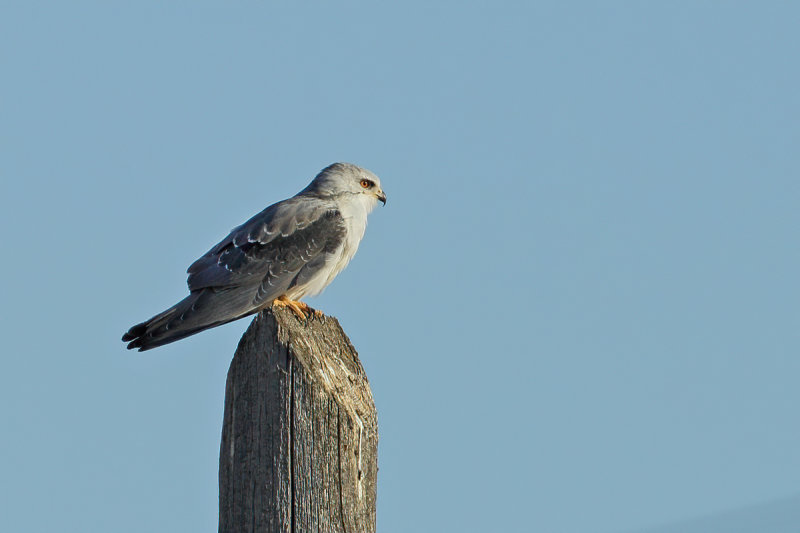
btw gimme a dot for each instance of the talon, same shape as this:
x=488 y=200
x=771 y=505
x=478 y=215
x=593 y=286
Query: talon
x=298 y=308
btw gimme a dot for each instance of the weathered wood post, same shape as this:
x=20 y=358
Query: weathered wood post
x=299 y=448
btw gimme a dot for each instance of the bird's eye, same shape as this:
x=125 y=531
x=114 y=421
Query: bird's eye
x=366 y=184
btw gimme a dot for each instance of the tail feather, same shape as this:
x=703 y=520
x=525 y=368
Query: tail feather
x=197 y=312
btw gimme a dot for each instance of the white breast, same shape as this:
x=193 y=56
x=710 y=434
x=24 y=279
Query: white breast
x=354 y=211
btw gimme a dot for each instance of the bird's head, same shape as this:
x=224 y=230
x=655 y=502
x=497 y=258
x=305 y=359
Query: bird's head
x=345 y=179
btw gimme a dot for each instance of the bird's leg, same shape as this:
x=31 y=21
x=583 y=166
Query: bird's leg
x=299 y=308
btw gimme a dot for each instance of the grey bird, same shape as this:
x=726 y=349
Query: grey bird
x=291 y=249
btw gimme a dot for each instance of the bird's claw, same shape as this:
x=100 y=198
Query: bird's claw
x=301 y=309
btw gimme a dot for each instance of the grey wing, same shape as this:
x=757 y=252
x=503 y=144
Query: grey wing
x=273 y=251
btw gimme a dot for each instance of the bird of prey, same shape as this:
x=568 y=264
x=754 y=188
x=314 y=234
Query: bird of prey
x=291 y=249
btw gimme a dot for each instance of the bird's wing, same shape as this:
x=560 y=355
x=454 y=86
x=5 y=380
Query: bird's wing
x=272 y=250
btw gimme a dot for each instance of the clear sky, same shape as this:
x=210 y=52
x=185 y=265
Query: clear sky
x=578 y=310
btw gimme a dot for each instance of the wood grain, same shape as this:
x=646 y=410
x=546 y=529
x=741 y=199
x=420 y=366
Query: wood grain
x=300 y=434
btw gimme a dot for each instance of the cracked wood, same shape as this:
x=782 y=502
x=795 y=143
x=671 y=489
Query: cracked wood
x=300 y=433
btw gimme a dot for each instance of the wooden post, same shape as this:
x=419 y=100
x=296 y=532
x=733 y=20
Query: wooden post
x=299 y=448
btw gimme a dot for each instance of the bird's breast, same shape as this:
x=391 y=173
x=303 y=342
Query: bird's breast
x=355 y=219
x=354 y=215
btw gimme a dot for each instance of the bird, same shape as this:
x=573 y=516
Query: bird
x=291 y=249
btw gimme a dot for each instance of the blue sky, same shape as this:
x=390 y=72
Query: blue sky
x=578 y=310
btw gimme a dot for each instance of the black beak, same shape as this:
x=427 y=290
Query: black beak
x=382 y=198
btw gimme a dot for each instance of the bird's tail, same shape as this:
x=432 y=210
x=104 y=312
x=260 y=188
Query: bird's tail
x=199 y=311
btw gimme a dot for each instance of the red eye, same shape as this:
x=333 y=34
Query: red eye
x=366 y=184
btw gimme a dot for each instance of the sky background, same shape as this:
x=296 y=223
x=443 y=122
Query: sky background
x=578 y=311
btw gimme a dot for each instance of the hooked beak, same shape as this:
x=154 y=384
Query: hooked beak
x=382 y=197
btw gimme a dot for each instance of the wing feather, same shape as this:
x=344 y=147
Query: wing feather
x=269 y=251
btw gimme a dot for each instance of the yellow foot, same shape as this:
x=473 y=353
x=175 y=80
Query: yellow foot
x=299 y=308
